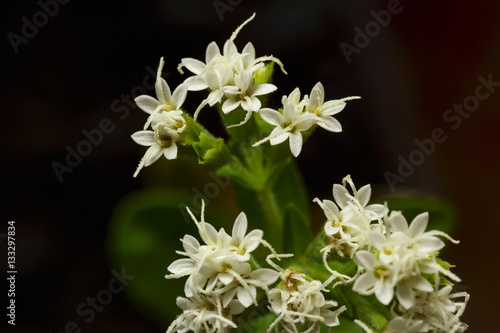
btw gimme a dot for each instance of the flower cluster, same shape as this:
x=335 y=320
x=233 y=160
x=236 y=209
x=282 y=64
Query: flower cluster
x=434 y=311
x=229 y=76
x=397 y=262
x=221 y=281
x=300 y=115
x=298 y=301
x=165 y=118
x=349 y=218
x=398 y=259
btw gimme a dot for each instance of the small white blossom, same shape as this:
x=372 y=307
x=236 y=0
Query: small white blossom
x=161 y=141
x=404 y=325
x=289 y=125
x=438 y=311
x=379 y=279
x=325 y=110
x=204 y=314
x=349 y=220
x=297 y=301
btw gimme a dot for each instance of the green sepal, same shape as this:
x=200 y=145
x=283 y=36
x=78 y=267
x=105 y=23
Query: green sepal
x=211 y=151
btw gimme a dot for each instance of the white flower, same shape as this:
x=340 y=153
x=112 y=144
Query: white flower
x=245 y=95
x=349 y=221
x=438 y=311
x=161 y=141
x=205 y=314
x=379 y=279
x=404 y=325
x=297 y=301
x=358 y=201
x=289 y=125
x=166 y=100
x=325 y=110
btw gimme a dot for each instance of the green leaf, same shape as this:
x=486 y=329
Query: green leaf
x=296 y=232
x=144 y=233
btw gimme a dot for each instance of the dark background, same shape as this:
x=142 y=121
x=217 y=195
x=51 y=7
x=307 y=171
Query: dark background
x=89 y=58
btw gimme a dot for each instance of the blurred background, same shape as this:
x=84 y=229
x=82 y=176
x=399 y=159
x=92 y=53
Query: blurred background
x=77 y=68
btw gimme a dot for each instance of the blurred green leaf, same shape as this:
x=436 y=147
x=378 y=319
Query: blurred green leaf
x=144 y=233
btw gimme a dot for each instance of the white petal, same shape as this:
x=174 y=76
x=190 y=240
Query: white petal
x=330 y=124
x=429 y=244
x=289 y=111
x=190 y=244
x=212 y=51
x=170 y=152
x=147 y=103
x=271 y=116
x=162 y=89
x=251 y=104
x=332 y=107
x=405 y=296
x=193 y=65
x=418 y=225
x=364 y=195
x=378 y=209
x=398 y=222
x=377 y=239
x=262 y=89
x=340 y=195
x=181 y=266
x=179 y=96
x=252 y=240
x=420 y=283
x=226 y=278
x=364 y=282
x=384 y=293
x=240 y=228
x=366 y=259
x=280 y=137
x=228 y=296
x=230 y=104
x=246 y=296
x=317 y=96
x=195 y=83
x=331 y=210
x=144 y=138
x=265 y=275
x=296 y=143
x=235 y=307
x=153 y=154
x=208 y=233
